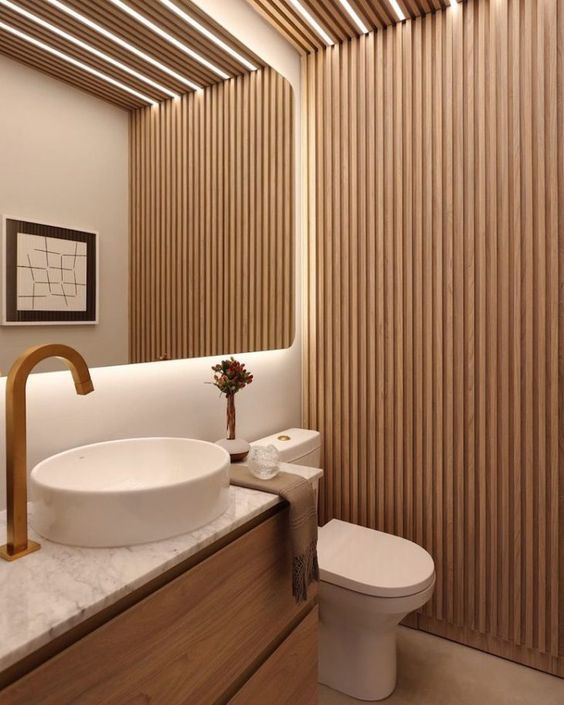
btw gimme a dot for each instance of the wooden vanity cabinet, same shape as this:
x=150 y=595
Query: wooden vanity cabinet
x=290 y=674
x=225 y=631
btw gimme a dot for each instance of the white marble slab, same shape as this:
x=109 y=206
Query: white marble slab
x=47 y=593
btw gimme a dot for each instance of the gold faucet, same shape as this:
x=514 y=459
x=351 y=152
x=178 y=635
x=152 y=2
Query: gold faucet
x=16 y=443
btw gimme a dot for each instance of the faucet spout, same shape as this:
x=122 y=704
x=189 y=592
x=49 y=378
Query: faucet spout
x=18 y=544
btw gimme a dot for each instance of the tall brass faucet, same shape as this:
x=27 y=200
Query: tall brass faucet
x=16 y=438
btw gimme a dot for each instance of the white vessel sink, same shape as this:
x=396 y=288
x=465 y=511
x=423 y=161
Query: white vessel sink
x=127 y=492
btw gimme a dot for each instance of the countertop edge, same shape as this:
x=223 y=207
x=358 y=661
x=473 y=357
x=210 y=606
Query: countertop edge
x=35 y=644
x=54 y=645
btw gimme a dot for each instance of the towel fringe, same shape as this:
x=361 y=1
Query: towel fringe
x=305 y=570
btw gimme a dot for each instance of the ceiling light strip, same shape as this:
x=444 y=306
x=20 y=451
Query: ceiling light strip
x=75 y=62
x=312 y=22
x=208 y=34
x=397 y=9
x=83 y=45
x=354 y=16
x=122 y=43
x=169 y=38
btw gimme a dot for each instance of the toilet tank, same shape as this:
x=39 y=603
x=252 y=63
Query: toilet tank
x=295 y=445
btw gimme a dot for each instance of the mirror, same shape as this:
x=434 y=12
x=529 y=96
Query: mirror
x=206 y=264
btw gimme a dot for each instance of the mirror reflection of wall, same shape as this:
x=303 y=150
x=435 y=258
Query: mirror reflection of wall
x=64 y=163
x=190 y=200
x=212 y=221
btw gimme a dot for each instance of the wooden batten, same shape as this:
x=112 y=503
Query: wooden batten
x=118 y=22
x=335 y=20
x=432 y=335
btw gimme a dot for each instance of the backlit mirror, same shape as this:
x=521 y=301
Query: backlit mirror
x=134 y=231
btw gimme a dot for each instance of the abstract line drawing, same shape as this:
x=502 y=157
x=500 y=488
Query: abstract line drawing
x=51 y=274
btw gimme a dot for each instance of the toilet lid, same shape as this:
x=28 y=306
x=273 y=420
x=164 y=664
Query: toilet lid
x=372 y=562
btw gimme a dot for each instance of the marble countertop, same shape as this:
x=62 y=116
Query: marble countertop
x=49 y=592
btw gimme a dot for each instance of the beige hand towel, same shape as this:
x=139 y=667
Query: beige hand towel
x=303 y=521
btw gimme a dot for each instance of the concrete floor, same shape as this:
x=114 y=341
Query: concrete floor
x=433 y=671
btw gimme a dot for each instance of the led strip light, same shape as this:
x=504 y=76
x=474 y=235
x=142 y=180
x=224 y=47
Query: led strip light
x=312 y=22
x=354 y=16
x=209 y=35
x=92 y=50
x=169 y=38
x=397 y=10
x=122 y=43
x=75 y=62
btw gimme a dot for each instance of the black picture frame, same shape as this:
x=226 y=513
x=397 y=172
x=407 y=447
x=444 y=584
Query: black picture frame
x=14 y=316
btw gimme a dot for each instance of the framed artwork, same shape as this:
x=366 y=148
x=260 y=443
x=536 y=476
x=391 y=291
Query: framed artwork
x=50 y=274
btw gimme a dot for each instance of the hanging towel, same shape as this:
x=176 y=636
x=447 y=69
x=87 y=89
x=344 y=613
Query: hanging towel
x=299 y=494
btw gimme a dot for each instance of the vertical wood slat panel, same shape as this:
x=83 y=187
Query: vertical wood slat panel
x=557 y=347
x=432 y=334
x=211 y=237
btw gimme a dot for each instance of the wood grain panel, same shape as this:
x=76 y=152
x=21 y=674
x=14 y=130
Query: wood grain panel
x=190 y=643
x=557 y=487
x=212 y=221
x=432 y=334
x=290 y=674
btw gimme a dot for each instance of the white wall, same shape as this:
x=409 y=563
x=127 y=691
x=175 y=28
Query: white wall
x=64 y=161
x=170 y=398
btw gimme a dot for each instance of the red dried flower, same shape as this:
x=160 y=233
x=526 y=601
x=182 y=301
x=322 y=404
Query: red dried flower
x=231 y=376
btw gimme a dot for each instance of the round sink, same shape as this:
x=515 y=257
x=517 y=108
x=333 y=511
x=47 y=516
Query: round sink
x=131 y=491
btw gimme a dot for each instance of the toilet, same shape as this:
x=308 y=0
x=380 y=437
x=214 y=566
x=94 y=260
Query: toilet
x=369 y=581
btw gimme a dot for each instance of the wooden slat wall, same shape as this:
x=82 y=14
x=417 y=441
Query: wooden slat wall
x=212 y=221
x=431 y=327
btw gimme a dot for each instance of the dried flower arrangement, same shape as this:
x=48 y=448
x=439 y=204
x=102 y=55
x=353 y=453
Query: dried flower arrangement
x=230 y=376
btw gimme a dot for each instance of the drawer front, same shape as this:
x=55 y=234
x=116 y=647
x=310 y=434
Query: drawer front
x=289 y=676
x=185 y=644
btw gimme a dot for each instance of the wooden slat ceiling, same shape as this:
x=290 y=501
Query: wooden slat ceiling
x=116 y=20
x=335 y=20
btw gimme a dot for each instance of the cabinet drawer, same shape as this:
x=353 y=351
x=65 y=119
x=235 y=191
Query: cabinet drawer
x=185 y=644
x=290 y=674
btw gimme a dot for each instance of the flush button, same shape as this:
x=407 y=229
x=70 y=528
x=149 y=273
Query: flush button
x=284 y=438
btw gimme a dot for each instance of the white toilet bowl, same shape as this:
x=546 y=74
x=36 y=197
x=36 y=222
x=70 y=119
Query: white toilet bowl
x=369 y=582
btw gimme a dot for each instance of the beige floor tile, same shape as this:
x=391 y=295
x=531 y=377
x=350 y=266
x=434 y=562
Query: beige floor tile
x=433 y=671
